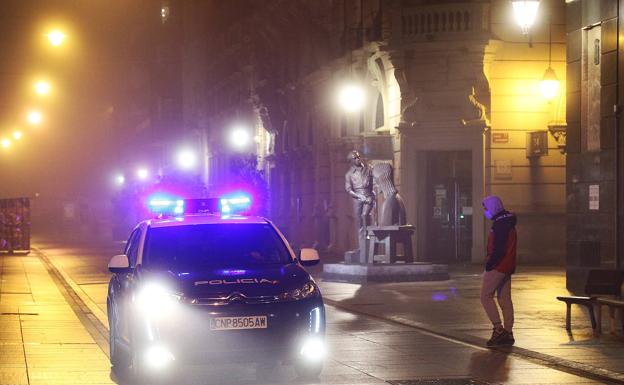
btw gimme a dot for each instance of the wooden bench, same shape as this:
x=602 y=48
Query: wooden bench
x=614 y=305
x=599 y=282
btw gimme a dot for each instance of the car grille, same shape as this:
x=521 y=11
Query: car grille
x=234 y=298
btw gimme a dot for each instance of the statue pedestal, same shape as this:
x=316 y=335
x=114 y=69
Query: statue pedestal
x=385 y=272
x=389 y=237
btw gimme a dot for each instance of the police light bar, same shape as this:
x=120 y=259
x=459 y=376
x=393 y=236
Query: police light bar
x=235 y=204
x=226 y=206
x=199 y=206
x=167 y=206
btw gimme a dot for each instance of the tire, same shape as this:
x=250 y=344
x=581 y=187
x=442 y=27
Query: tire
x=117 y=359
x=308 y=371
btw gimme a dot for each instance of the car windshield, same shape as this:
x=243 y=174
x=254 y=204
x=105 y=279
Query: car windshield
x=214 y=246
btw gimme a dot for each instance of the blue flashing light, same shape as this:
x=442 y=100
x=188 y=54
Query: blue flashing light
x=162 y=206
x=235 y=204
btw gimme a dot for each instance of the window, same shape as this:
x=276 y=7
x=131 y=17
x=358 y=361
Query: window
x=132 y=248
x=379 y=112
x=210 y=246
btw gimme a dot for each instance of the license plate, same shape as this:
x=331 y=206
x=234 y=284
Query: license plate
x=236 y=323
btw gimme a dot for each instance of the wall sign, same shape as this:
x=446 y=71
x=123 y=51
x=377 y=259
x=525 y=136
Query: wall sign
x=502 y=169
x=594 y=197
x=500 y=137
x=536 y=144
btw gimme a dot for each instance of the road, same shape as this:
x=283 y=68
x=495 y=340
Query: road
x=53 y=331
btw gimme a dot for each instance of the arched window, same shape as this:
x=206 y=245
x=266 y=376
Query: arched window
x=379 y=112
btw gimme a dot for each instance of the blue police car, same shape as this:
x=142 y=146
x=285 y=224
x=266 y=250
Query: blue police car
x=214 y=288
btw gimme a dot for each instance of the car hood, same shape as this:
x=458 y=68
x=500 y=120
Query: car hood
x=250 y=282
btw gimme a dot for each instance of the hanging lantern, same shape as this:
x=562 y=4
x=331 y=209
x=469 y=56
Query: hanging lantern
x=525 y=12
x=549 y=85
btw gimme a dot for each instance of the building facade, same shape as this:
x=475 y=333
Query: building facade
x=452 y=100
x=594 y=173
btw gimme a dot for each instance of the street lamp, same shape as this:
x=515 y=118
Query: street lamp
x=42 y=87
x=351 y=97
x=34 y=117
x=120 y=180
x=525 y=12
x=186 y=159
x=56 y=37
x=142 y=173
x=240 y=137
x=549 y=85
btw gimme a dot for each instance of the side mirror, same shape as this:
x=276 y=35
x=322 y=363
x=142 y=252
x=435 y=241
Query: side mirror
x=119 y=264
x=309 y=257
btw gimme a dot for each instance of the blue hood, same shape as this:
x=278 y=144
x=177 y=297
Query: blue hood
x=265 y=281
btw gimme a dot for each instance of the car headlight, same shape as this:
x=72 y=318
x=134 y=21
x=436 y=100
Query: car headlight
x=309 y=289
x=155 y=299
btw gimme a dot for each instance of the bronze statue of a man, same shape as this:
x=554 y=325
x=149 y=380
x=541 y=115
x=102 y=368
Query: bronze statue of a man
x=359 y=184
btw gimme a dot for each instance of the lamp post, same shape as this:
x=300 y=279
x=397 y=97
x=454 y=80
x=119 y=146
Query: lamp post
x=240 y=137
x=351 y=97
x=186 y=159
x=525 y=12
x=142 y=174
x=34 y=117
x=42 y=87
x=56 y=38
x=549 y=84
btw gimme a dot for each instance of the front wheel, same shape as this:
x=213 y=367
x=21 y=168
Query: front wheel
x=117 y=358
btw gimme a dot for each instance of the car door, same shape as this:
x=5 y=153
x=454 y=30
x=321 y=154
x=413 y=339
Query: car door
x=125 y=287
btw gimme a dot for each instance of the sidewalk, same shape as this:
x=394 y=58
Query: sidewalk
x=42 y=340
x=453 y=308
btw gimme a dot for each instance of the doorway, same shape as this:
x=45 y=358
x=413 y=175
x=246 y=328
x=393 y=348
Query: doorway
x=449 y=206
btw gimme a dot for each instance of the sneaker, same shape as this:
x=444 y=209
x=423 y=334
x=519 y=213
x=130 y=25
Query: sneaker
x=496 y=334
x=501 y=338
x=506 y=339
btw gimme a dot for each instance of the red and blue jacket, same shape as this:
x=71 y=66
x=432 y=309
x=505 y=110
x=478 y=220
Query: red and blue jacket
x=501 y=246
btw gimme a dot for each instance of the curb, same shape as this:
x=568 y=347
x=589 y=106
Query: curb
x=564 y=365
x=93 y=308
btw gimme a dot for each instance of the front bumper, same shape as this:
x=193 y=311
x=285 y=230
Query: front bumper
x=186 y=332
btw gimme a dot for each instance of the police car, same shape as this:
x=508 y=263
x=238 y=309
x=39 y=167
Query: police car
x=200 y=284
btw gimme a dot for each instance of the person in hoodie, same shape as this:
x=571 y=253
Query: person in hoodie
x=500 y=264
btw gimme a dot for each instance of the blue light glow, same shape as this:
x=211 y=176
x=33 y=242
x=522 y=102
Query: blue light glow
x=164 y=205
x=233 y=272
x=237 y=203
x=438 y=297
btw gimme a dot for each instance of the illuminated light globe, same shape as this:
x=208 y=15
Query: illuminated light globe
x=120 y=180
x=525 y=12
x=17 y=135
x=142 y=173
x=351 y=98
x=5 y=143
x=56 y=38
x=549 y=85
x=240 y=137
x=187 y=159
x=42 y=88
x=34 y=117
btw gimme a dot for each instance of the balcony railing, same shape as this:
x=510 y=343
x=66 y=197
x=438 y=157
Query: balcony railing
x=443 y=21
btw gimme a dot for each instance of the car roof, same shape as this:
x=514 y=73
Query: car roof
x=204 y=219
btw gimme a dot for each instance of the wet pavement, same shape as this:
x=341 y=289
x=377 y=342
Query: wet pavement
x=53 y=323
